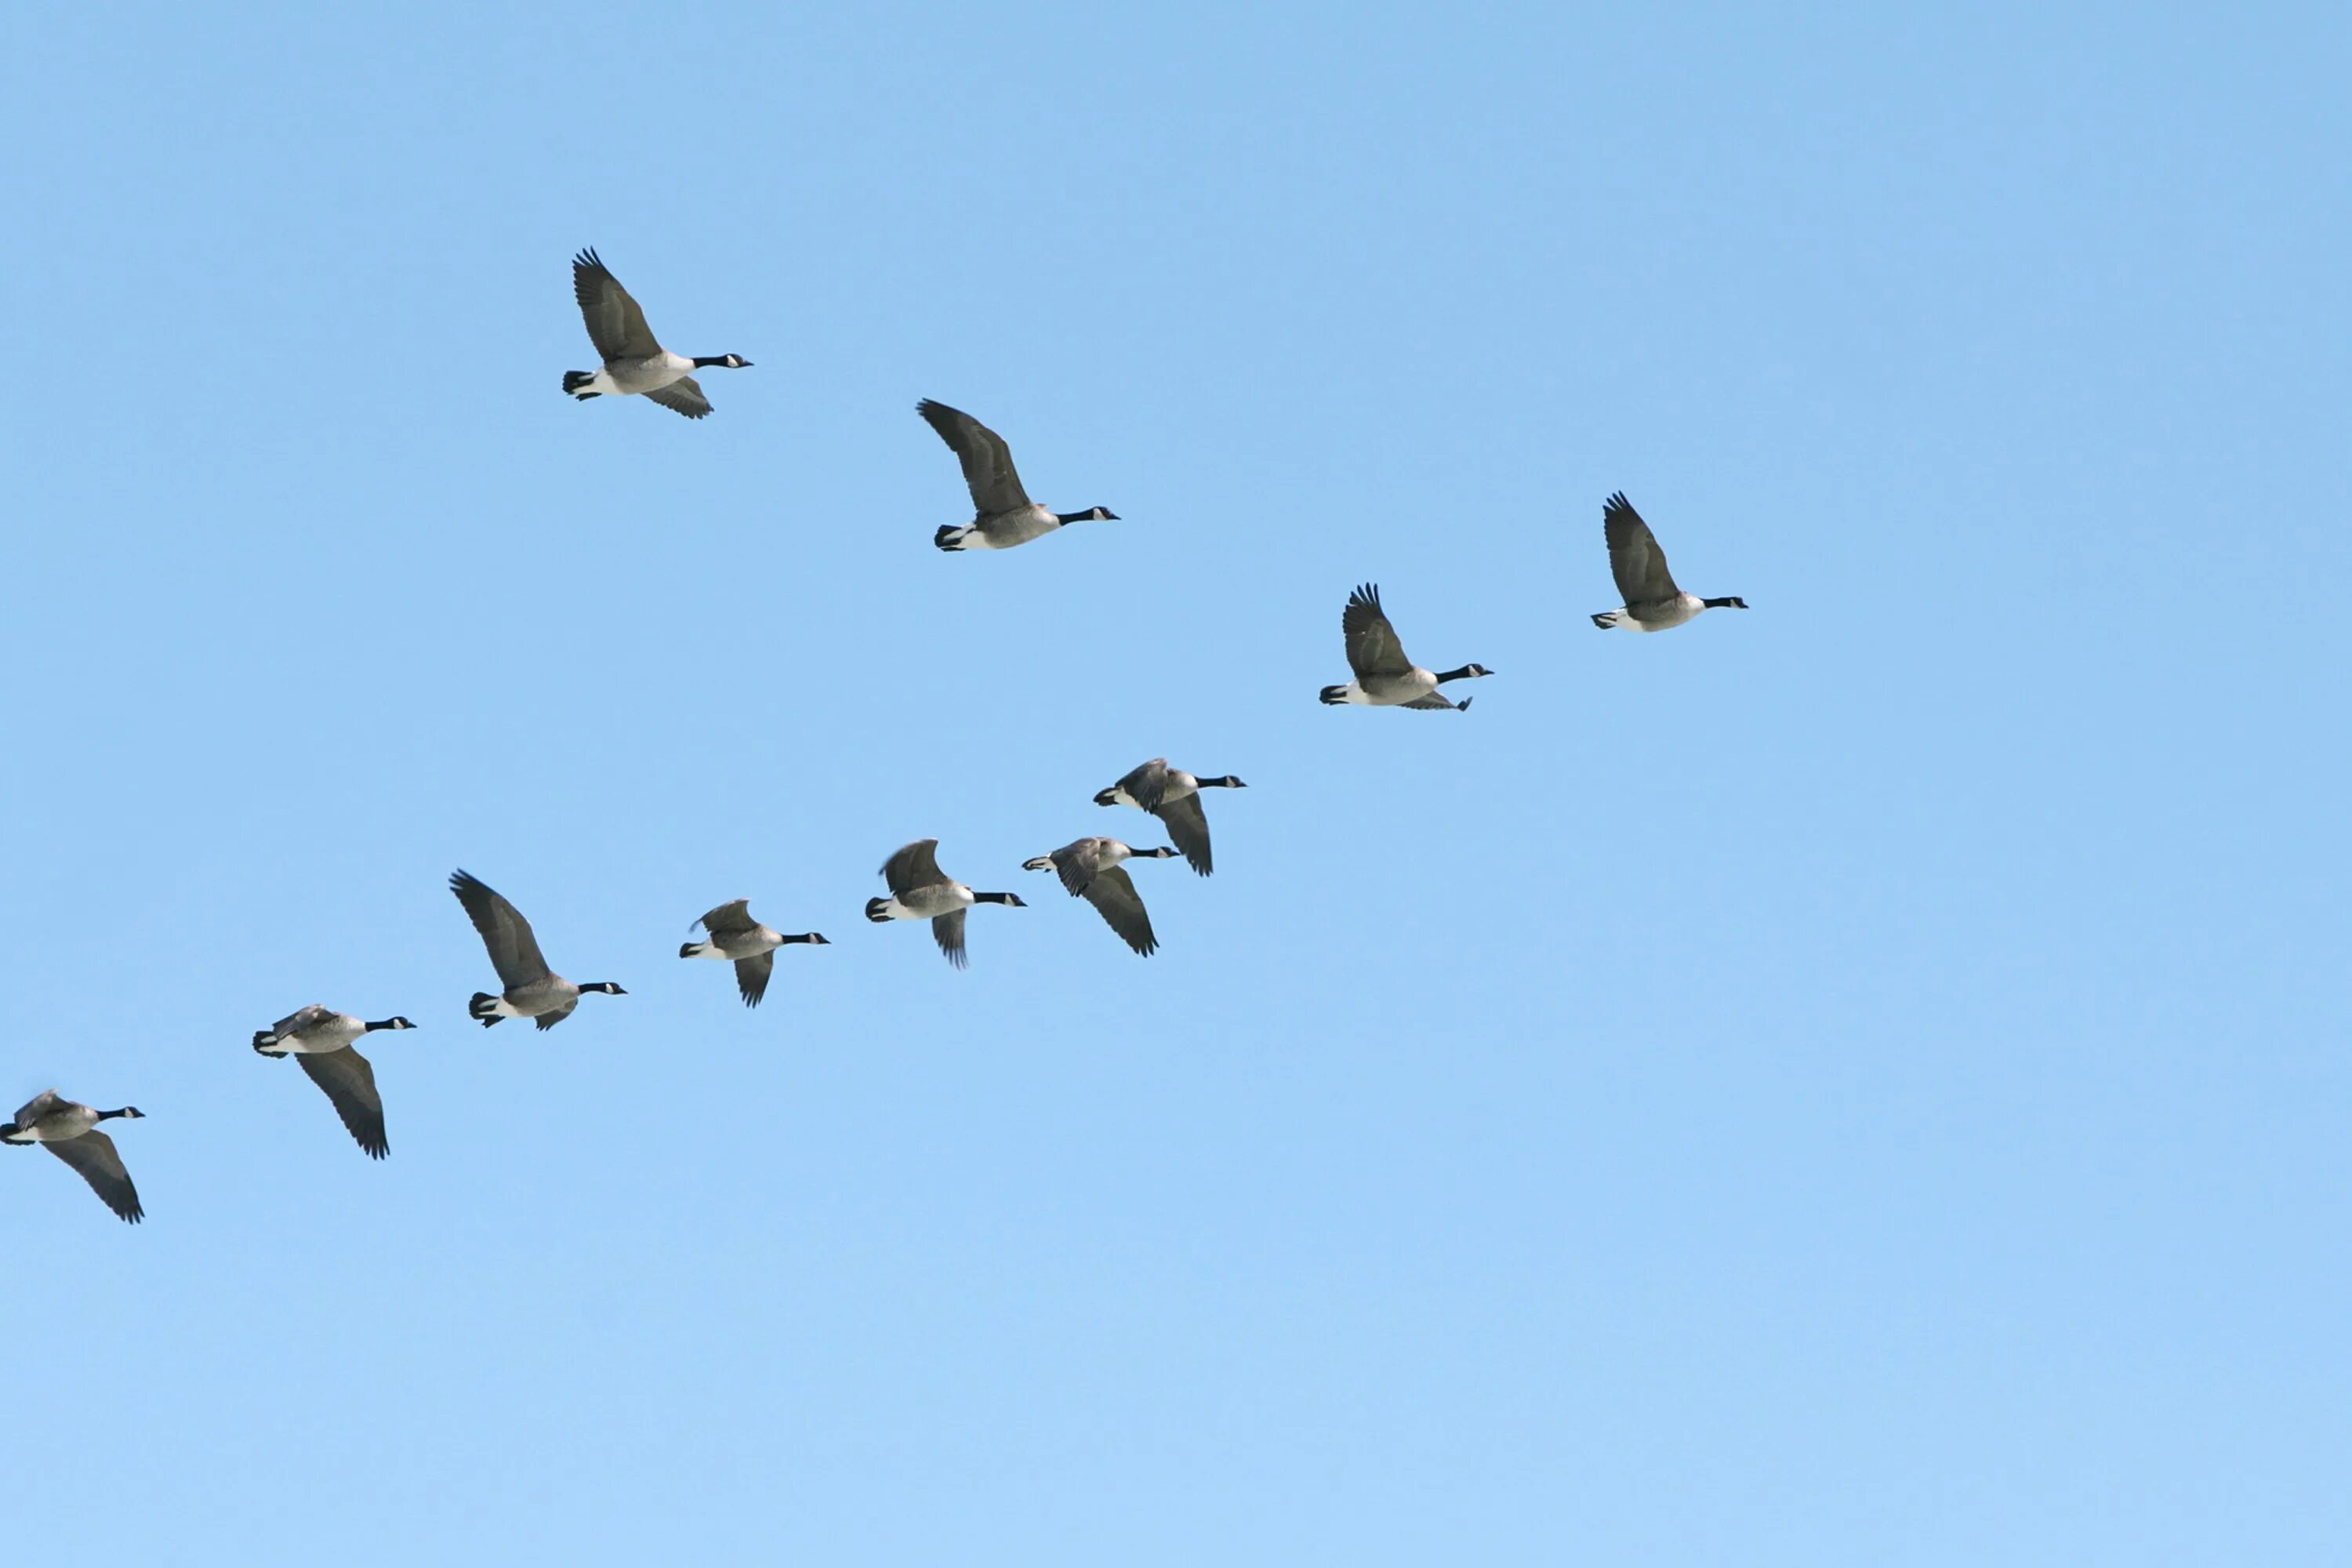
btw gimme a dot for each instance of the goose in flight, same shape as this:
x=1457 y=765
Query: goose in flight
x=1385 y=678
x=1091 y=869
x=920 y=890
x=634 y=360
x=1004 y=515
x=1173 y=796
x=531 y=990
x=1652 y=602
x=735 y=936
x=322 y=1040
x=70 y=1130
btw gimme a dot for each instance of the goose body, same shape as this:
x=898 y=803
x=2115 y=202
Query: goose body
x=1094 y=869
x=920 y=890
x=1652 y=602
x=1385 y=678
x=1173 y=796
x=321 y=1039
x=750 y=946
x=68 y=1129
x=1004 y=515
x=635 y=362
x=532 y=990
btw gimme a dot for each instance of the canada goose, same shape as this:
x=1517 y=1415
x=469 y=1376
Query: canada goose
x=532 y=990
x=1384 y=676
x=1090 y=868
x=1652 y=602
x=920 y=890
x=70 y=1133
x=1173 y=796
x=1005 y=515
x=735 y=934
x=321 y=1039
x=634 y=362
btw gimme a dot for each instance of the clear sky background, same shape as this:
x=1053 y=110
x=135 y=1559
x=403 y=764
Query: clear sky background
x=1861 y=1081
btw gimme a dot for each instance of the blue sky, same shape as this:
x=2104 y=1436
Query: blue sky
x=1860 y=1081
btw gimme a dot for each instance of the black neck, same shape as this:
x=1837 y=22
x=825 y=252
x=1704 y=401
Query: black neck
x=1228 y=781
x=110 y=1115
x=1086 y=516
x=1724 y=604
x=992 y=898
x=712 y=360
x=804 y=936
x=1456 y=674
x=387 y=1023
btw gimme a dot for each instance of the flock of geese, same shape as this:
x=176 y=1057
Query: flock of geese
x=325 y=1042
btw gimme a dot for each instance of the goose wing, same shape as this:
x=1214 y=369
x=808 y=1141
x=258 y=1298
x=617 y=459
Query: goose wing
x=1146 y=784
x=1188 y=829
x=615 y=325
x=1634 y=558
x=94 y=1156
x=1436 y=699
x=302 y=1020
x=683 y=395
x=1372 y=646
x=916 y=864
x=728 y=917
x=514 y=952
x=549 y=1019
x=1113 y=895
x=987 y=460
x=947 y=930
x=751 y=976
x=349 y=1083
x=49 y=1103
x=1075 y=864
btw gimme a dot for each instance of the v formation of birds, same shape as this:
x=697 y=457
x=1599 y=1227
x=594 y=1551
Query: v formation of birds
x=635 y=364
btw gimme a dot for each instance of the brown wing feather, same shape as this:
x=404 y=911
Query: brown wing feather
x=1634 y=558
x=1113 y=895
x=513 y=950
x=94 y=1157
x=1373 y=644
x=350 y=1085
x=947 y=930
x=1188 y=829
x=683 y=395
x=987 y=461
x=913 y=866
x=615 y=325
x=751 y=976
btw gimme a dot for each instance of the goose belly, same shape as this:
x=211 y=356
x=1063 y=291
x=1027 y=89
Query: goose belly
x=317 y=1042
x=329 y=1034
x=927 y=904
x=530 y=1001
x=59 y=1128
x=1664 y=616
x=1004 y=530
x=626 y=376
x=1391 y=690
